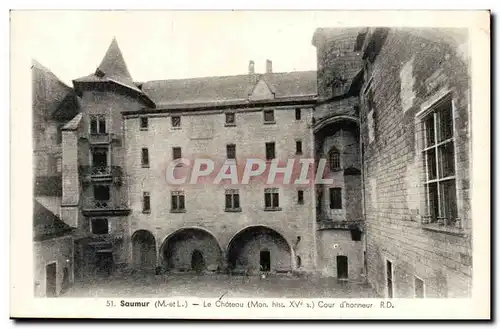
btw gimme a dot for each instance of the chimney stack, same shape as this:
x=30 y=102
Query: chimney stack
x=251 y=67
x=269 y=66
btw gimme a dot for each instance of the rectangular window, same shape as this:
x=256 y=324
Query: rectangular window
x=230 y=119
x=101 y=193
x=178 y=201
x=271 y=199
x=231 y=151
x=145 y=157
x=146 y=202
x=300 y=197
x=439 y=163
x=336 y=198
x=97 y=124
x=419 y=288
x=232 y=202
x=298 y=114
x=99 y=226
x=176 y=153
x=298 y=147
x=144 y=123
x=269 y=116
x=176 y=121
x=270 y=151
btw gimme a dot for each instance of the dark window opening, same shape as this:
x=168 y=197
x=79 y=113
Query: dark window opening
x=299 y=261
x=145 y=157
x=231 y=151
x=232 y=201
x=178 y=201
x=342 y=267
x=100 y=226
x=99 y=157
x=390 y=291
x=101 y=192
x=335 y=198
x=146 y=202
x=176 y=121
x=93 y=126
x=230 y=119
x=300 y=197
x=144 y=123
x=270 y=151
x=102 y=125
x=298 y=147
x=271 y=198
x=269 y=116
x=298 y=114
x=265 y=261
x=176 y=153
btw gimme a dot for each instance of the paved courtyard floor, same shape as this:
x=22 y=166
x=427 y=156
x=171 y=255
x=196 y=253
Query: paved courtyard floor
x=190 y=285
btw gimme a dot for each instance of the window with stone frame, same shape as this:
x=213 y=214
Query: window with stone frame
x=144 y=123
x=439 y=164
x=231 y=151
x=178 y=202
x=270 y=151
x=334 y=162
x=269 y=116
x=145 y=157
x=272 y=199
x=97 y=124
x=146 y=202
x=176 y=121
x=335 y=198
x=230 y=119
x=232 y=200
x=99 y=226
x=176 y=153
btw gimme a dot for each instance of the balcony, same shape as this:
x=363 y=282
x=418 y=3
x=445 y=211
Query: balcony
x=324 y=223
x=100 y=139
x=100 y=174
x=93 y=207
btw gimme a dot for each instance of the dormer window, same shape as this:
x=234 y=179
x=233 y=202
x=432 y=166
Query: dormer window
x=99 y=73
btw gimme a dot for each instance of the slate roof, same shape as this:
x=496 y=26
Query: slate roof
x=228 y=88
x=51 y=97
x=74 y=123
x=47 y=225
x=112 y=69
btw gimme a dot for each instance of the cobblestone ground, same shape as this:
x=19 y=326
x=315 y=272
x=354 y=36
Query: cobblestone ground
x=190 y=285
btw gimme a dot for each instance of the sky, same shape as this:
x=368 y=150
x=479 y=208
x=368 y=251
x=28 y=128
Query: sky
x=170 y=44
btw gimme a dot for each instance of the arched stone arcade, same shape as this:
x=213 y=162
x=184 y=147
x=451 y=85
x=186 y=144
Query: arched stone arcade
x=191 y=250
x=259 y=248
x=144 y=250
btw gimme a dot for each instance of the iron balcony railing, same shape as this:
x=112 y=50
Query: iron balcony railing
x=104 y=207
x=95 y=173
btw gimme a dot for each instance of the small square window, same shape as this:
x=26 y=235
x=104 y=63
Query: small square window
x=269 y=116
x=176 y=153
x=144 y=123
x=176 y=121
x=232 y=200
x=230 y=119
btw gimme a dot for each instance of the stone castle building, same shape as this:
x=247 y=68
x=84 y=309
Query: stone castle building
x=396 y=209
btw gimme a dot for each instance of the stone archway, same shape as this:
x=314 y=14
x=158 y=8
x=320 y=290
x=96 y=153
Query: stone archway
x=144 y=250
x=191 y=250
x=259 y=248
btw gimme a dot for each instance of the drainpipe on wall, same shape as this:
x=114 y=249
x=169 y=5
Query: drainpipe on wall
x=363 y=197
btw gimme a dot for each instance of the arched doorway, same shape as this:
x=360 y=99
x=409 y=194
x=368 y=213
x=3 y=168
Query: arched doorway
x=191 y=250
x=144 y=250
x=259 y=248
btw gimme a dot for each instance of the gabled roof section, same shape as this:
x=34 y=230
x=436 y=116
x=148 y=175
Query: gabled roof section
x=261 y=91
x=224 y=89
x=74 y=123
x=49 y=92
x=46 y=224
